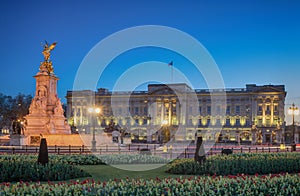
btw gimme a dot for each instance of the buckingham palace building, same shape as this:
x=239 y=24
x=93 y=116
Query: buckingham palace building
x=251 y=115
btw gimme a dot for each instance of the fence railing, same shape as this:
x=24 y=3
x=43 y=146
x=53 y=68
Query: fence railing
x=155 y=149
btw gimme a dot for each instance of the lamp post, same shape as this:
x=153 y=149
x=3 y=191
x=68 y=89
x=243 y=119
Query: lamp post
x=293 y=111
x=164 y=125
x=94 y=111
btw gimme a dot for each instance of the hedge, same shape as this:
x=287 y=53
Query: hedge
x=247 y=163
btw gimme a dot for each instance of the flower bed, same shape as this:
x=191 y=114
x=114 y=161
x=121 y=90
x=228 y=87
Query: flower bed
x=283 y=184
x=249 y=163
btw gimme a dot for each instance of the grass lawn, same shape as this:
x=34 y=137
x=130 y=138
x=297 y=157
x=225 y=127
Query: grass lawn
x=106 y=172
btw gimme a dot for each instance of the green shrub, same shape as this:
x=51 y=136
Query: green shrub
x=19 y=170
x=83 y=159
x=132 y=159
x=62 y=167
x=248 y=163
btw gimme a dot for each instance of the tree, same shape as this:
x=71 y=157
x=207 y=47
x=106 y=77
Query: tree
x=13 y=109
x=43 y=152
x=200 y=152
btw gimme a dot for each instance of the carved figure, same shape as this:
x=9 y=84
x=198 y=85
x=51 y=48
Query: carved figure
x=47 y=50
x=58 y=110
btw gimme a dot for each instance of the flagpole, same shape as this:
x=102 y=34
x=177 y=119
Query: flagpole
x=171 y=71
x=172 y=74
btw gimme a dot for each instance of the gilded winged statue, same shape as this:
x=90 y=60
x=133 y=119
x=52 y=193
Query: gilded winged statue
x=47 y=50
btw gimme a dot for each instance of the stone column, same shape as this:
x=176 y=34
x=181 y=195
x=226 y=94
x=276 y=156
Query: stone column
x=75 y=116
x=272 y=111
x=162 y=105
x=170 y=113
x=264 y=112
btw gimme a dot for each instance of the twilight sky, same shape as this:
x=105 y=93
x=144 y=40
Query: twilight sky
x=251 y=41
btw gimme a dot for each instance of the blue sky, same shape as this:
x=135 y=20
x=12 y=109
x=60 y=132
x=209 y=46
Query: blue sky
x=251 y=41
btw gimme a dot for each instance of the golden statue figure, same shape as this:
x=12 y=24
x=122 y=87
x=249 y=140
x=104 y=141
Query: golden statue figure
x=46 y=52
x=47 y=49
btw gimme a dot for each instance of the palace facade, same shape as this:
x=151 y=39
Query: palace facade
x=254 y=114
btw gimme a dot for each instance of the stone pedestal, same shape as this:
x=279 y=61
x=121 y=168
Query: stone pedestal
x=17 y=140
x=46 y=115
x=54 y=139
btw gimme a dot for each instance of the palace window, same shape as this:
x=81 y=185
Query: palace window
x=218 y=109
x=227 y=122
x=237 y=122
x=228 y=110
x=200 y=122
x=208 y=122
x=268 y=111
x=259 y=122
x=190 y=122
x=208 y=110
x=268 y=121
x=247 y=122
x=259 y=108
x=190 y=109
x=144 y=121
x=136 y=110
x=275 y=121
x=237 y=109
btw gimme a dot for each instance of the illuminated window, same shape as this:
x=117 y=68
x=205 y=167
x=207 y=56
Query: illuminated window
x=275 y=121
x=268 y=121
x=259 y=121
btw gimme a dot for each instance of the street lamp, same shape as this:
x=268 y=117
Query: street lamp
x=293 y=111
x=94 y=111
x=164 y=125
